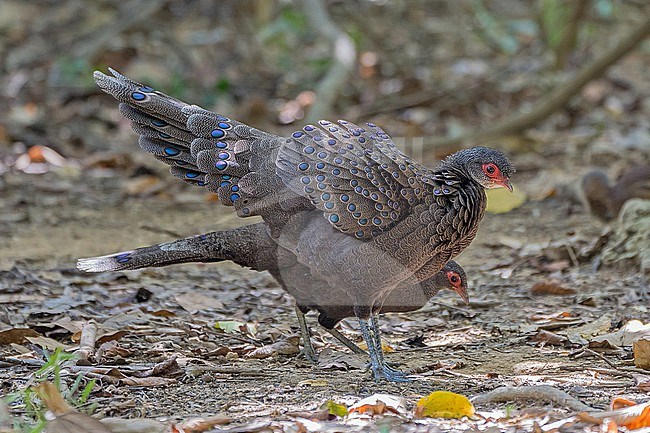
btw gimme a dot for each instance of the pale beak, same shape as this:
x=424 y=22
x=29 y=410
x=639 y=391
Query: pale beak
x=462 y=292
x=506 y=184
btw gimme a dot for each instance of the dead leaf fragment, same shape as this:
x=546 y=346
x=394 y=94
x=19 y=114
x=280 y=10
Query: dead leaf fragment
x=630 y=332
x=16 y=335
x=625 y=413
x=444 y=404
x=287 y=346
x=379 y=404
x=642 y=353
x=550 y=288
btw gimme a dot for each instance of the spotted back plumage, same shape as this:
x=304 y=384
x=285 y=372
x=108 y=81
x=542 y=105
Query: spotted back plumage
x=359 y=179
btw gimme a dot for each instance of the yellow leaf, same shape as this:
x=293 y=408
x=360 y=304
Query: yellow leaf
x=444 y=404
x=335 y=408
x=234 y=327
x=500 y=200
x=385 y=347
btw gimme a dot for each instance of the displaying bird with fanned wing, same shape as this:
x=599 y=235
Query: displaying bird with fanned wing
x=352 y=221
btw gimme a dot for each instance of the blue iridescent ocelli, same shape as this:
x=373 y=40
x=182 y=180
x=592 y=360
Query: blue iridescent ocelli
x=329 y=205
x=138 y=96
x=331 y=142
x=224 y=183
x=334 y=218
x=234 y=188
x=224 y=155
x=245 y=211
x=146 y=89
x=336 y=172
x=234 y=197
x=320 y=178
x=363 y=221
x=362 y=140
x=172 y=151
x=359 y=234
x=221 y=165
x=224 y=125
x=352 y=207
x=297 y=134
x=305 y=180
x=309 y=128
x=345 y=198
x=309 y=150
x=318 y=138
x=376 y=221
x=159 y=123
x=325 y=196
x=226 y=176
x=322 y=155
x=303 y=166
x=218 y=133
x=163 y=135
x=192 y=174
x=320 y=166
x=200 y=183
x=221 y=145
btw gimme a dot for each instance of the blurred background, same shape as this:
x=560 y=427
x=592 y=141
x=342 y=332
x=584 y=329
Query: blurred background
x=559 y=85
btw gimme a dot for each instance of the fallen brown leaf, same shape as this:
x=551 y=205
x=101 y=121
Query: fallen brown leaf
x=550 y=288
x=642 y=353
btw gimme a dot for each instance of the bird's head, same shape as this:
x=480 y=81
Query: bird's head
x=488 y=167
x=454 y=278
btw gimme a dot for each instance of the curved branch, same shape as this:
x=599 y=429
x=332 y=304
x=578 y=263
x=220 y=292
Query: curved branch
x=560 y=96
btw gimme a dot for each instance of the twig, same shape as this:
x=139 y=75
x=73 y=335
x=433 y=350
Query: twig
x=87 y=342
x=584 y=352
x=541 y=392
x=344 y=55
x=559 y=97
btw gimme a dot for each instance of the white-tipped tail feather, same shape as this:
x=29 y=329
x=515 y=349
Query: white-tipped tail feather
x=111 y=262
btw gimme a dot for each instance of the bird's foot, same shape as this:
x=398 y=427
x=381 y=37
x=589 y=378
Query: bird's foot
x=309 y=354
x=394 y=375
x=389 y=373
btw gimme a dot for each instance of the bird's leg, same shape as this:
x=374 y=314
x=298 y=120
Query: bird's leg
x=346 y=341
x=379 y=368
x=307 y=348
x=372 y=350
x=399 y=376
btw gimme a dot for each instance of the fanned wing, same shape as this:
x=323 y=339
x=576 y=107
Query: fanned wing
x=357 y=176
x=206 y=149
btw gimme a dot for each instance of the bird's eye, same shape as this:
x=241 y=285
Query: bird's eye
x=491 y=170
x=454 y=278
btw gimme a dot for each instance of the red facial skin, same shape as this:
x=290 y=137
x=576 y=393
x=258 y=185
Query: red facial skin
x=495 y=175
x=457 y=283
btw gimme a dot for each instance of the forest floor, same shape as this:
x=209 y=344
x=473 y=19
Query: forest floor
x=514 y=332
